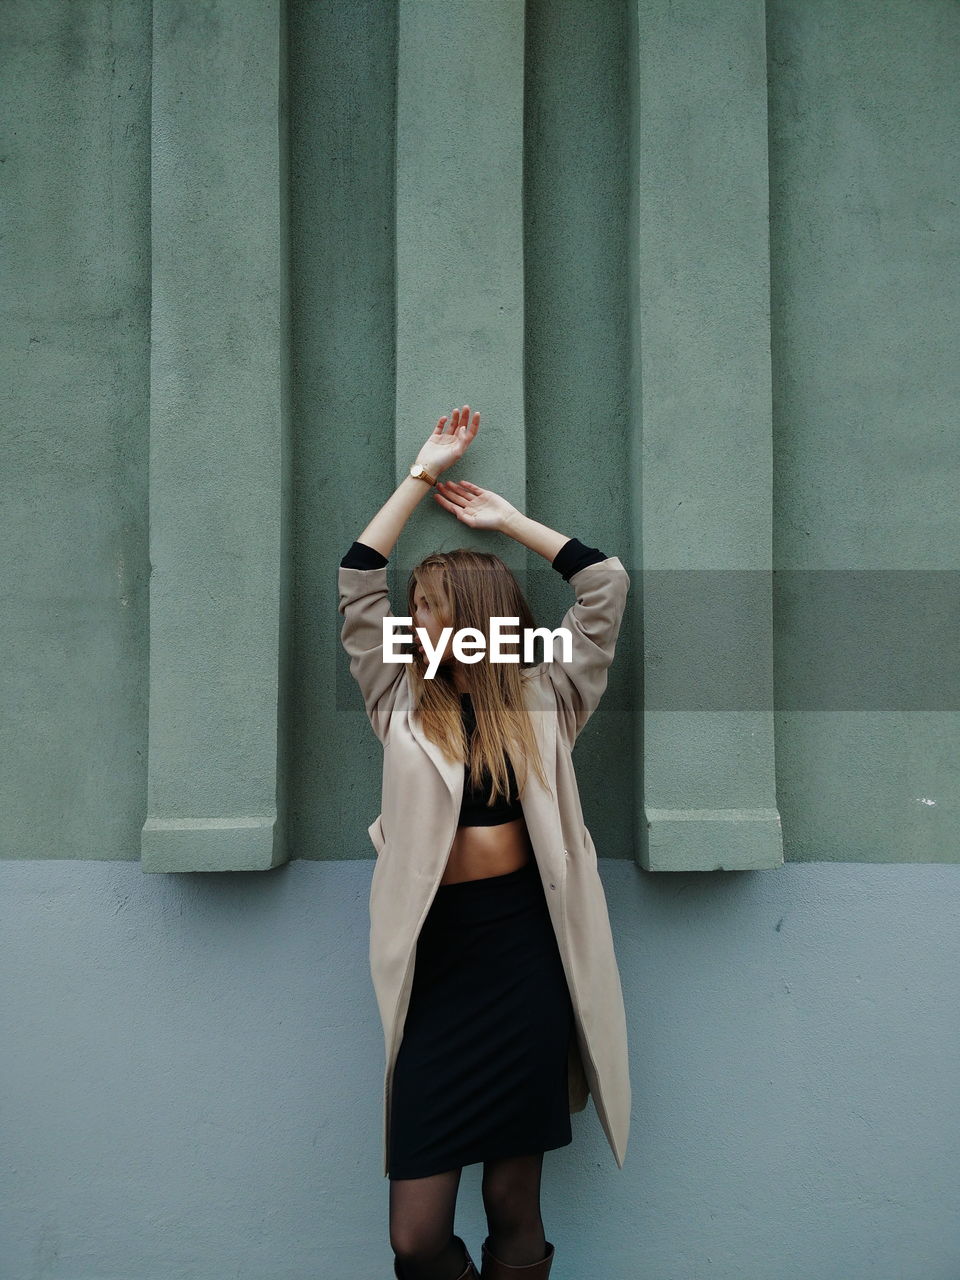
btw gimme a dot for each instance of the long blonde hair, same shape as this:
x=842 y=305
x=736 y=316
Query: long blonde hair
x=466 y=589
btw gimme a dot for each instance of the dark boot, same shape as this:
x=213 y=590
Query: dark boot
x=493 y=1269
x=469 y=1273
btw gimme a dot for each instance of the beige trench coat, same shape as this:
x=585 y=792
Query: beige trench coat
x=420 y=806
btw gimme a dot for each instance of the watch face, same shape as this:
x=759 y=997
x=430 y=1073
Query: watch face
x=417 y=469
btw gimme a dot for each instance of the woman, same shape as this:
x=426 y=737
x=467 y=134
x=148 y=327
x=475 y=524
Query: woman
x=490 y=944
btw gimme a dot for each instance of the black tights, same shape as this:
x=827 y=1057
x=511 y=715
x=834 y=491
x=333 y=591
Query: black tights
x=422 y=1213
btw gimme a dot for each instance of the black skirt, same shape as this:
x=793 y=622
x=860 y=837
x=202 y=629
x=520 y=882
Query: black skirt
x=481 y=1072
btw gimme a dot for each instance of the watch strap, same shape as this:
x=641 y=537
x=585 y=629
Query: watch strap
x=424 y=473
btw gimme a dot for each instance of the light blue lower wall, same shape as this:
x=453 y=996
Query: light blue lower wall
x=191 y=1072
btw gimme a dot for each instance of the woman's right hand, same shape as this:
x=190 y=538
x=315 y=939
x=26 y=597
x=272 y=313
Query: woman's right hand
x=449 y=440
x=475 y=507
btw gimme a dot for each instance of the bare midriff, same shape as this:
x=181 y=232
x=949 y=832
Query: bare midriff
x=478 y=852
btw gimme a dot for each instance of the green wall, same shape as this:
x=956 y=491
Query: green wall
x=865 y=299
x=863 y=324
x=74 y=427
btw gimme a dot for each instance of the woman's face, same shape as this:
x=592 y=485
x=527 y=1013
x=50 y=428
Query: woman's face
x=425 y=615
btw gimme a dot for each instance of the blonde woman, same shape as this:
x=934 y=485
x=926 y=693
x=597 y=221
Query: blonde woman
x=490 y=945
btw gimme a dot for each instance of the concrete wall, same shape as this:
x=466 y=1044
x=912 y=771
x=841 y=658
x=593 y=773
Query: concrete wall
x=191 y=1064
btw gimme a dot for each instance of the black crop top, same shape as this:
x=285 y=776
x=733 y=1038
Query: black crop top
x=474 y=810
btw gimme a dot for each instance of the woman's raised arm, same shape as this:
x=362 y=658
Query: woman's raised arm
x=531 y=533
x=446 y=445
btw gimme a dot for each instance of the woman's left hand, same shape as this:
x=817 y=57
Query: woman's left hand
x=449 y=440
x=473 y=506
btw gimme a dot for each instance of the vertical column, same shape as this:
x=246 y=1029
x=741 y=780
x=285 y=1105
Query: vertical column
x=459 y=211
x=703 y=433
x=218 y=434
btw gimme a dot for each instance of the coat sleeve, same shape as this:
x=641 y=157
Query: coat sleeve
x=364 y=603
x=594 y=625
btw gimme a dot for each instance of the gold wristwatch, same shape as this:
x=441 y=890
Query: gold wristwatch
x=420 y=472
